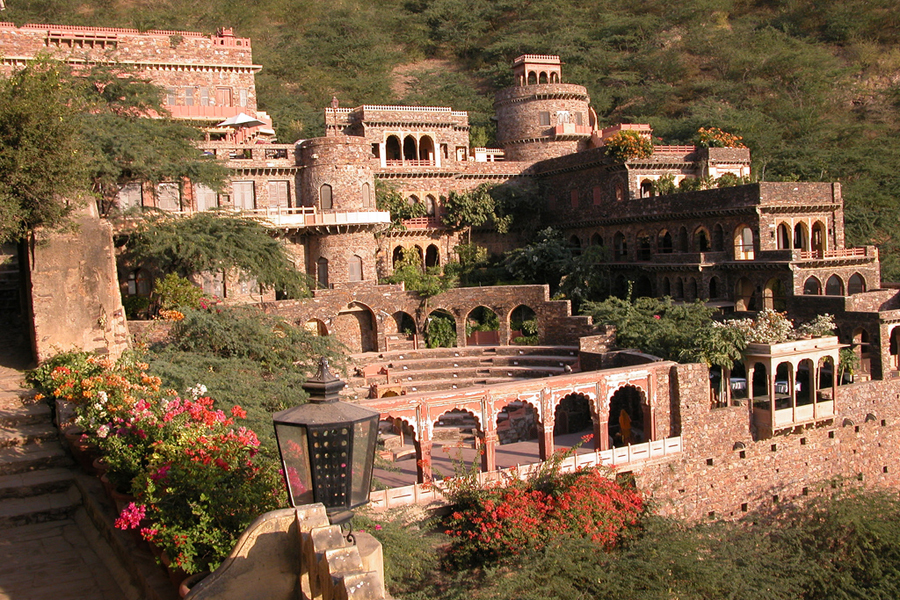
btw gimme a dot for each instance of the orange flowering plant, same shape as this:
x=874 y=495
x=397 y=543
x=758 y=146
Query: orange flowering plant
x=628 y=145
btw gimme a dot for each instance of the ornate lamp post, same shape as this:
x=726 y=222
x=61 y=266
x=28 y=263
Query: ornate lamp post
x=327 y=448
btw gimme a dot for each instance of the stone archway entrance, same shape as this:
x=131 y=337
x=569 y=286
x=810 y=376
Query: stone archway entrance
x=628 y=417
x=355 y=327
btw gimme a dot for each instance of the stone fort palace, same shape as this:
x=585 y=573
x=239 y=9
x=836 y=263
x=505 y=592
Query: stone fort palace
x=784 y=426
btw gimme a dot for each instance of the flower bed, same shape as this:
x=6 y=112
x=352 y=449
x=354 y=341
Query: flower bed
x=199 y=479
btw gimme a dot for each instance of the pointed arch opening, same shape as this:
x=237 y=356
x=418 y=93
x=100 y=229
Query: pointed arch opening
x=392 y=149
x=440 y=329
x=856 y=284
x=410 y=149
x=523 y=326
x=432 y=256
x=627 y=412
x=701 y=240
x=783 y=237
x=572 y=419
x=812 y=287
x=482 y=327
x=834 y=286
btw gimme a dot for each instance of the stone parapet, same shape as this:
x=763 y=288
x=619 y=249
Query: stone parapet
x=296 y=553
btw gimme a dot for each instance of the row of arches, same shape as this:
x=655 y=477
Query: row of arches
x=414 y=149
x=481 y=326
x=539 y=77
x=801 y=237
x=432 y=206
x=430 y=257
x=668 y=241
x=627 y=419
x=834 y=286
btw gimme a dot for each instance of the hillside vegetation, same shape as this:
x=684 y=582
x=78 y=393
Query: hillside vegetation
x=812 y=87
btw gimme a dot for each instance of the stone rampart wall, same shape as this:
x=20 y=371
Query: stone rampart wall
x=724 y=473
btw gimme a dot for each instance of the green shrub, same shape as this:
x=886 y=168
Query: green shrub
x=440 y=332
x=174 y=292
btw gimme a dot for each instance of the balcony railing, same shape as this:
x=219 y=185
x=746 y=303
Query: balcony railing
x=410 y=163
x=423 y=223
x=838 y=253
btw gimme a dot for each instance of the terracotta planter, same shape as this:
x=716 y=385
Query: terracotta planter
x=176 y=574
x=185 y=588
x=82 y=448
x=100 y=466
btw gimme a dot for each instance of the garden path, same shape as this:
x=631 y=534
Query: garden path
x=49 y=549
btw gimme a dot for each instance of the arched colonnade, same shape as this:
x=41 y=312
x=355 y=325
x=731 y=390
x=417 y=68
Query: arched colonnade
x=419 y=414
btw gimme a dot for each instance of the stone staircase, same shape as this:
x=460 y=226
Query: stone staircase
x=450 y=368
x=36 y=481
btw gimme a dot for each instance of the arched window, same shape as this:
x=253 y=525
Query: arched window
x=355 y=268
x=664 y=242
x=325 y=202
x=392 y=148
x=532 y=78
x=646 y=188
x=714 y=288
x=410 y=149
x=596 y=240
x=666 y=287
x=430 y=205
x=784 y=237
x=397 y=256
x=620 y=191
x=322 y=273
x=834 y=286
x=812 y=287
x=701 y=240
x=856 y=284
x=679 y=288
x=138 y=283
x=542 y=78
x=743 y=243
x=365 y=195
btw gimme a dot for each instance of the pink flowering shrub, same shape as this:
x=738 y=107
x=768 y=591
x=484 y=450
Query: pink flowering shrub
x=199 y=477
x=204 y=484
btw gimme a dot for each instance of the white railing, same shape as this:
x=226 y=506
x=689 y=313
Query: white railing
x=301 y=216
x=428 y=493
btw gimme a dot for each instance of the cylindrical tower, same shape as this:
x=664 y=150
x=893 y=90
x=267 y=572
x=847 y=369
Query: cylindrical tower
x=336 y=180
x=539 y=117
x=336 y=174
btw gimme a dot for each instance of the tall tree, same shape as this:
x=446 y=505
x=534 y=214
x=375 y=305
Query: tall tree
x=212 y=242
x=43 y=158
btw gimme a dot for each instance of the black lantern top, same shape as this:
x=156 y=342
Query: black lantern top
x=324 y=386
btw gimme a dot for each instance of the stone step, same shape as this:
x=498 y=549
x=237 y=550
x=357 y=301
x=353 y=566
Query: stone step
x=39 y=509
x=20 y=435
x=13 y=414
x=33 y=483
x=37 y=455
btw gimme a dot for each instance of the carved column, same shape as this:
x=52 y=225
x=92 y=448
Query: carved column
x=489 y=452
x=423 y=461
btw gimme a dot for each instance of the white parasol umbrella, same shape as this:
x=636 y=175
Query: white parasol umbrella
x=241 y=120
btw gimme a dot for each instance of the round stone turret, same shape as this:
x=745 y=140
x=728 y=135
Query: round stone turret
x=336 y=174
x=539 y=117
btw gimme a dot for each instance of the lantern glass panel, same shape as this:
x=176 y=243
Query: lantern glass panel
x=292 y=441
x=330 y=447
x=364 y=437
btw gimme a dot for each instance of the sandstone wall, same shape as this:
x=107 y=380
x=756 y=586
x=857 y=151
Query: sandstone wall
x=74 y=293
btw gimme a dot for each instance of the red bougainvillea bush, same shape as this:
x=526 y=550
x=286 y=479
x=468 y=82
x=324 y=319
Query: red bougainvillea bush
x=497 y=521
